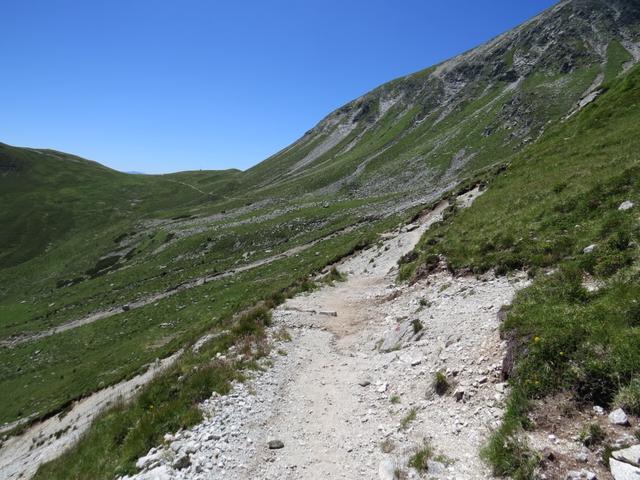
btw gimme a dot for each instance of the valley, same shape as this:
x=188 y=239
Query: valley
x=439 y=279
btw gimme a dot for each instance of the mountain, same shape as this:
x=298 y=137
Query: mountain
x=102 y=272
x=427 y=128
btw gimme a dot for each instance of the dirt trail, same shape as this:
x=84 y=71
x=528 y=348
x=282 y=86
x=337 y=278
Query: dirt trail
x=337 y=394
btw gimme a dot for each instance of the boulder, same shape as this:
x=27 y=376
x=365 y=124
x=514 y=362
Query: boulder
x=624 y=206
x=387 y=470
x=590 y=248
x=623 y=471
x=629 y=455
x=618 y=417
x=436 y=468
x=402 y=333
x=159 y=473
x=149 y=460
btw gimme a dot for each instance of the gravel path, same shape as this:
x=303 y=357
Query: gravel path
x=352 y=395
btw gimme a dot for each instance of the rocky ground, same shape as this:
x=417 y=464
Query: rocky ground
x=352 y=394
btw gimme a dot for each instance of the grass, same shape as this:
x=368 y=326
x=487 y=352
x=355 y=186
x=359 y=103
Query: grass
x=79 y=238
x=394 y=399
x=441 y=383
x=411 y=415
x=554 y=199
x=628 y=397
x=417 y=326
x=420 y=459
x=592 y=435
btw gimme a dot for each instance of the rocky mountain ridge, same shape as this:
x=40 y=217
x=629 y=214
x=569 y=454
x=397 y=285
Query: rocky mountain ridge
x=466 y=112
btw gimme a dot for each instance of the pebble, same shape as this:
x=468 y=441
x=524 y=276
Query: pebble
x=275 y=444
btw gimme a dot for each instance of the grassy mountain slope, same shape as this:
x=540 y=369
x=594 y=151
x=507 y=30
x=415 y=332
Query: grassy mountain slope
x=79 y=238
x=576 y=328
x=48 y=196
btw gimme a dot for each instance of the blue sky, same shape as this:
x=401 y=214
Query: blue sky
x=161 y=86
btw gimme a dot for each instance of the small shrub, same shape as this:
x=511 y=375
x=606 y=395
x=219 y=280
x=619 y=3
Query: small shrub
x=387 y=446
x=441 y=383
x=420 y=459
x=509 y=456
x=592 y=435
x=252 y=321
x=417 y=326
x=628 y=397
x=395 y=399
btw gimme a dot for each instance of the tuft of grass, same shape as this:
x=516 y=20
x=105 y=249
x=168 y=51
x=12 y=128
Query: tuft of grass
x=628 y=397
x=592 y=435
x=417 y=326
x=408 y=418
x=420 y=459
x=395 y=399
x=510 y=456
x=441 y=383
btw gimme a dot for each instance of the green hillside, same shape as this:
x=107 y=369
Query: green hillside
x=103 y=272
x=554 y=200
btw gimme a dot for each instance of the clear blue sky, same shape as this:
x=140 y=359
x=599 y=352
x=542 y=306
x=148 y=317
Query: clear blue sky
x=161 y=86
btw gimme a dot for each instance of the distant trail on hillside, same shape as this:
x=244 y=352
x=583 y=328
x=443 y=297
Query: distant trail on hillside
x=16 y=340
x=196 y=282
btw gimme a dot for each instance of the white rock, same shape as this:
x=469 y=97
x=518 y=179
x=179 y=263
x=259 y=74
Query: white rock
x=387 y=470
x=618 y=417
x=629 y=455
x=160 y=473
x=149 y=460
x=582 y=457
x=590 y=248
x=626 y=206
x=581 y=475
x=623 y=471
